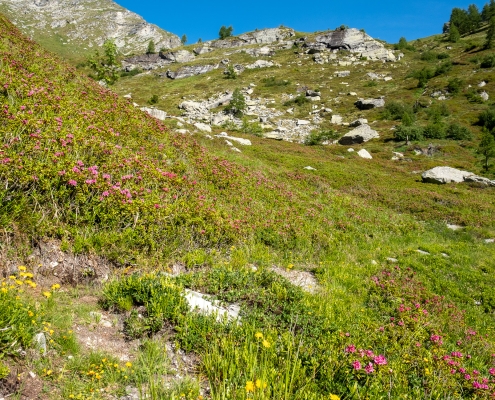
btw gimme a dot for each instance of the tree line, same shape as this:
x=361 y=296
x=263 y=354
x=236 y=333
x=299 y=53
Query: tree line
x=469 y=21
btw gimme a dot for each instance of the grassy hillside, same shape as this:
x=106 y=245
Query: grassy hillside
x=85 y=169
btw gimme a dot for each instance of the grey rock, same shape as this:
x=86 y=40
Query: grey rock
x=260 y=64
x=343 y=74
x=263 y=51
x=489 y=241
x=363 y=153
x=442 y=175
x=40 y=342
x=484 y=95
x=309 y=168
x=155 y=112
x=358 y=122
x=361 y=134
x=202 y=127
x=353 y=40
x=179 y=56
x=312 y=93
x=368 y=104
x=188 y=71
x=336 y=119
x=392 y=260
x=425 y=253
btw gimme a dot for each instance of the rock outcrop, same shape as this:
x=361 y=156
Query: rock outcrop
x=442 y=175
x=368 y=104
x=87 y=24
x=361 y=134
x=192 y=70
x=353 y=40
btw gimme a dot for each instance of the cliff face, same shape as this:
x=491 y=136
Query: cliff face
x=85 y=24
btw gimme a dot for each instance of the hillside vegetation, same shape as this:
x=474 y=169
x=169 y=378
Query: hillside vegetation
x=397 y=306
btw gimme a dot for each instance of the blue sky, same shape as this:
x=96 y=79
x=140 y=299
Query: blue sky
x=386 y=20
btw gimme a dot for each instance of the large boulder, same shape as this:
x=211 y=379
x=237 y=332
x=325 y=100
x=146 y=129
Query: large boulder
x=155 y=112
x=361 y=134
x=368 y=104
x=353 y=40
x=179 y=56
x=442 y=175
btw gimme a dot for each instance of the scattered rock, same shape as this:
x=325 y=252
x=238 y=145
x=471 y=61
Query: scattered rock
x=363 y=153
x=358 y=122
x=336 y=119
x=40 y=342
x=489 y=240
x=361 y=134
x=392 y=260
x=442 y=175
x=202 y=127
x=343 y=74
x=482 y=84
x=155 y=112
x=260 y=64
x=484 y=95
x=188 y=71
x=369 y=104
x=350 y=150
x=179 y=56
x=425 y=253
x=304 y=279
x=309 y=168
x=244 y=142
x=454 y=227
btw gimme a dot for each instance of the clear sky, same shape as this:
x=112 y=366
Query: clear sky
x=386 y=20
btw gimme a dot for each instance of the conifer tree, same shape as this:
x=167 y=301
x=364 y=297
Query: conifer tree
x=490 y=34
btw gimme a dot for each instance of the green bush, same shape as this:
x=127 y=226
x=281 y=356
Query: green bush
x=237 y=105
x=434 y=131
x=487 y=119
x=395 y=110
x=253 y=128
x=455 y=85
x=154 y=99
x=488 y=61
x=230 y=72
x=318 y=137
x=437 y=112
x=403 y=132
x=299 y=100
x=456 y=131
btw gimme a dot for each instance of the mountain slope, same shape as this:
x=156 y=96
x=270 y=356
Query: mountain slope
x=76 y=27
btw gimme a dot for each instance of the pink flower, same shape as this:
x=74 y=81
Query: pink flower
x=76 y=170
x=106 y=193
x=350 y=349
x=453 y=371
x=491 y=371
x=72 y=182
x=356 y=365
x=369 y=368
x=61 y=172
x=467 y=377
x=436 y=339
x=380 y=360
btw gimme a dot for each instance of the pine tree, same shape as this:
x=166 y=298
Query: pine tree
x=151 y=47
x=474 y=17
x=490 y=34
x=460 y=18
x=454 y=35
x=238 y=103
x=487 y=147
x=225 y=32
x=183 y=39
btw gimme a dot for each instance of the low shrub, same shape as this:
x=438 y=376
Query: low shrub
x=456 y=131
x=318 y=137
x=403 y=132
x=488 y=61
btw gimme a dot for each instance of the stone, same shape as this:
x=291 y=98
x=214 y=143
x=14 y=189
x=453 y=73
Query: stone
x=363 y=153
x=358 y=122
x=392 y=260
x=192 y=70
x=350 y=150
x=354 y=41
x=368 y=104
x=336 y=119
x=343 y=74
x=155 y=113
x=489 y=241
x=203 y=49
x=387 y=78
x=244 y=142
x=454 y=227
x=260 y=64
x=314 y=98
x=179 y=56
x=484 y=95
x=202 y=127
x=425 y=253
x=442 y=175
x=312 y=93
x=260 y=52
x=274 y=135
x=302 y=122
x=40 y=342
x=352 y=94
x=309 y=168
x=361 y=134
x=200 y=302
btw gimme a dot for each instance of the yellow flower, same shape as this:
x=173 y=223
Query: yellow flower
x=55 y=286
x=21 y=268
x=30 y=313
x=19 y=282
x=266 y=343
x=427 y=371
x=4 y=290
x=49 y=372
x=128 y=364
x=260 y=384
x=249 y=386
x=258 y=335
x=334 y=397
x=290 y=266
x=47 y=294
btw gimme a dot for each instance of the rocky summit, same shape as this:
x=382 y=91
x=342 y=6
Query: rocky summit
x=86 y=24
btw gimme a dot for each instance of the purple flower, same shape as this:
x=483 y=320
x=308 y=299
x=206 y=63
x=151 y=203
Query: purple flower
x=369 y=368
x=380 y=360
x=72 y=182
x=356 y=365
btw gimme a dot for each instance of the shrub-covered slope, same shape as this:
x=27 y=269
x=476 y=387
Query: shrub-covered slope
x=82 y=165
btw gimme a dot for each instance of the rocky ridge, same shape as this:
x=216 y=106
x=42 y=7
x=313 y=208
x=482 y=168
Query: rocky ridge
x=87 y=24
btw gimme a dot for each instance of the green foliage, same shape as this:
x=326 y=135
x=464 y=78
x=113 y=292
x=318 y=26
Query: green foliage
x=437 y=112
x=225 y=32
x=404 y=45
x=407 y=133
x=434 y=131
x=183 y=39
x=456 y=131
x=274 y=82
x=488 y=61
x=253 y=128
x=299 y=100
x=459 y=18
x=490 y=34
x=4 y=370
x=132 y=72
x=454 y=35
x=230 y=72
x=105 y=67
x=473 y=96
x=237 y=105
x=151 y=47
x=318 y=137
x=487 y=148
x=153 y=99
x=455 y=85
x=486 y=119
x=395 y=110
